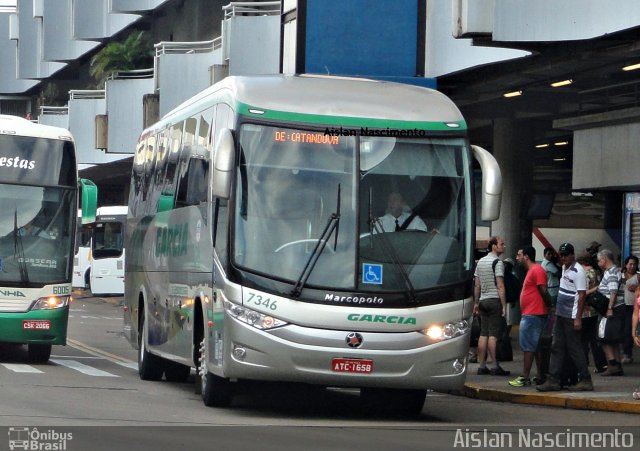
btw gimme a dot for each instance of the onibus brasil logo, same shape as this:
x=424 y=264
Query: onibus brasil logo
x=34 y=439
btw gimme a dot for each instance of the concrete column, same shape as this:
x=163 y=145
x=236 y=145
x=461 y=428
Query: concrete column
x=513 y=147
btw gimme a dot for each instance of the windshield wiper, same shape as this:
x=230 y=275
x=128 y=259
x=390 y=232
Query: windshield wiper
x=18 y=250
x=387 y=247
x=332 y=224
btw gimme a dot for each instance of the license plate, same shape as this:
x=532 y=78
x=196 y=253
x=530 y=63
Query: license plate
x=36 y=324
x=361 y=366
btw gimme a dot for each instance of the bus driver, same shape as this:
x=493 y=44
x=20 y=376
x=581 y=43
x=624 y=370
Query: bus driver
x=399 y=216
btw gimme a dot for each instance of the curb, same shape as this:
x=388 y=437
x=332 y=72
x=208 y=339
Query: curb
x=476 y=391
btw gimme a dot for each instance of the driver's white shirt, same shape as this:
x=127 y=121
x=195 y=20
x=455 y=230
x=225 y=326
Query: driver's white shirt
x=389 y=222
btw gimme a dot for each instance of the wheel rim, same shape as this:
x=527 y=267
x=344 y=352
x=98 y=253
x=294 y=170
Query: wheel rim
x=142 y=346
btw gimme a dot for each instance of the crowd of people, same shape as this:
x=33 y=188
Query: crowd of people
x=561 y=321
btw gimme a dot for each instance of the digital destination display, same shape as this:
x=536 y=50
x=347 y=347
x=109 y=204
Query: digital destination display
x=305 y=137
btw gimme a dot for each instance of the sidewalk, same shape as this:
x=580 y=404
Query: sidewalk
x=612 y=394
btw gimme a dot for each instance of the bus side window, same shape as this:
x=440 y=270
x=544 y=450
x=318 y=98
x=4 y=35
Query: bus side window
x=192 y=189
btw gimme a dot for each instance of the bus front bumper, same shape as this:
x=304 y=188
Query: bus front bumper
x=35 y=327
x=317 y=356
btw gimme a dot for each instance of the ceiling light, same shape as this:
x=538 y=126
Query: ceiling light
x=632 y=67
x=559 y=159
x=541 y=146
x=557 y=84
x=561 y=143
x=512 y=94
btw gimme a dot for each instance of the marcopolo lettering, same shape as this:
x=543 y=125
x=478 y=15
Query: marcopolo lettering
x=17 y=162
x=353 y=299
x=391 y=319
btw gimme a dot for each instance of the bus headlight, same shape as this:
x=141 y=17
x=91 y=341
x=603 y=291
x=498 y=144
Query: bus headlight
x=251 y=317
x=51 y=302
x=447 y=331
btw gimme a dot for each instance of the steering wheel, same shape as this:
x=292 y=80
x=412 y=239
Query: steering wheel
x=305 y=241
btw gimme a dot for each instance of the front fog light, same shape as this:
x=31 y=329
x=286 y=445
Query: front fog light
x=51 y=302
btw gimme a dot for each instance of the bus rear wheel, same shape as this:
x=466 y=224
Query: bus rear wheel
x=216 y=391
x=393 y=401
x=150 y=366
x=39 y=353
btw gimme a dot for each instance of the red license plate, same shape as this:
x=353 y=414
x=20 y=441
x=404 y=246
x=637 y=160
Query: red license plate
x=36 y=324
x=362 y=366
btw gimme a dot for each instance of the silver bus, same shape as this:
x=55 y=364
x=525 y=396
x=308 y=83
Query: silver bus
x=257 y=244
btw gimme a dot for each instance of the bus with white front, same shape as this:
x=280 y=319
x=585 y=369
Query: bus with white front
x=82 y=259
x=39 y=201
x=256 y=247
x=107 y=252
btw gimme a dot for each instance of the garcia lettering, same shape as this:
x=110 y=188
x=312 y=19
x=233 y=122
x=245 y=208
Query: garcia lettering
x=382 y=319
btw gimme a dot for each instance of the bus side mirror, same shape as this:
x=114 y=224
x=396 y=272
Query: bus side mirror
x=224 y=153
x=89 y=201
x=491 y=196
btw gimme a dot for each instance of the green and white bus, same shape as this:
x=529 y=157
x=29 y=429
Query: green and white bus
x=39 y=204
x=256 y=249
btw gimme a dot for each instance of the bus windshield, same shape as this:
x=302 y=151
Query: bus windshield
x=291 y=183
x=35 y=243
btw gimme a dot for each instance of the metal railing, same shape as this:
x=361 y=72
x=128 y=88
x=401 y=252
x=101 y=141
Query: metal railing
x=132 y=74
x=173 y=48
x=54 y=110
x=77 y=94
x=251 y=8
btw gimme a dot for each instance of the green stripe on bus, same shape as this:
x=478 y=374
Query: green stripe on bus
x=346 y=121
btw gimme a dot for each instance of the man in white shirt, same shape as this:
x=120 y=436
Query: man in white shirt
x=398 y=213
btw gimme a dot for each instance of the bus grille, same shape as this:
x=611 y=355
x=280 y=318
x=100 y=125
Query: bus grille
x=14 y=305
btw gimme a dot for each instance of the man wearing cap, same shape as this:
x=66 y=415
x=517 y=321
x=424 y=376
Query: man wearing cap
x=566 y=330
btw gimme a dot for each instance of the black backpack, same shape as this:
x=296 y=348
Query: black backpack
x=512 y=285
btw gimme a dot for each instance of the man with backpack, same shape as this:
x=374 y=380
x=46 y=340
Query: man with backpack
x=490 y=304
x=534 y=314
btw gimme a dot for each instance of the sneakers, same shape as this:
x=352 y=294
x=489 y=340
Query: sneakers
x=636 y=394
x=483 y=371
x=520 y=381
x=626 y=359
x=600 y=370
x=538 y=380
x=550 y=384
x=583 y=385
x=499 y=371
x=613 y=370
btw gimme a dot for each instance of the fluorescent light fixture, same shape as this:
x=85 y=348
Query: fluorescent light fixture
x=632 y=67
x=557 y=84
x=559 y=159
x=512 y=94
x=541 y=146
x=561 y=143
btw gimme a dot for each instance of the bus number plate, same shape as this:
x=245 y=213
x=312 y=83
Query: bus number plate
x=362 y=366
x=36 y=325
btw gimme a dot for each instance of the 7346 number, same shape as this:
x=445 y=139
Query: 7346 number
x=258 y=299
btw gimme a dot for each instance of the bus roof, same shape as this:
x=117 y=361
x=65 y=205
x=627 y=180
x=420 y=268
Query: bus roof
x=112 y=210
x=15 y=125
x=329 y=96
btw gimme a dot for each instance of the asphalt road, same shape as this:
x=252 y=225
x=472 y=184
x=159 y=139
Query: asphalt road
x=91 y=390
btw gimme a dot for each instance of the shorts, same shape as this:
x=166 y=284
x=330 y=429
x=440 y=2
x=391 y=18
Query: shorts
x=491 y=321
x=531 y=327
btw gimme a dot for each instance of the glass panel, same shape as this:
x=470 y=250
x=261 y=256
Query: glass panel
x=289 y=184
x=108 y=240
x=35 y=234
x=413 y=213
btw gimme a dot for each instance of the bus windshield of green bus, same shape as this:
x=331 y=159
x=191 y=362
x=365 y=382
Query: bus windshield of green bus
x=36 y=231
x=291 y=184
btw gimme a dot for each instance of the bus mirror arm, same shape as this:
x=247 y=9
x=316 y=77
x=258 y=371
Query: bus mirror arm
x=491 y=184
x=224 y=153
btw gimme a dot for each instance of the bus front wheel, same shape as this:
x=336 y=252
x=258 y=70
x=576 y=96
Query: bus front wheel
x=39 y=353
x=215 y=390
x=150 y=366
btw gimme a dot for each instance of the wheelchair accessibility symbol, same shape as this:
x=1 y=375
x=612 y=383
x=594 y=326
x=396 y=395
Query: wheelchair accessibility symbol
x=372 y=274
